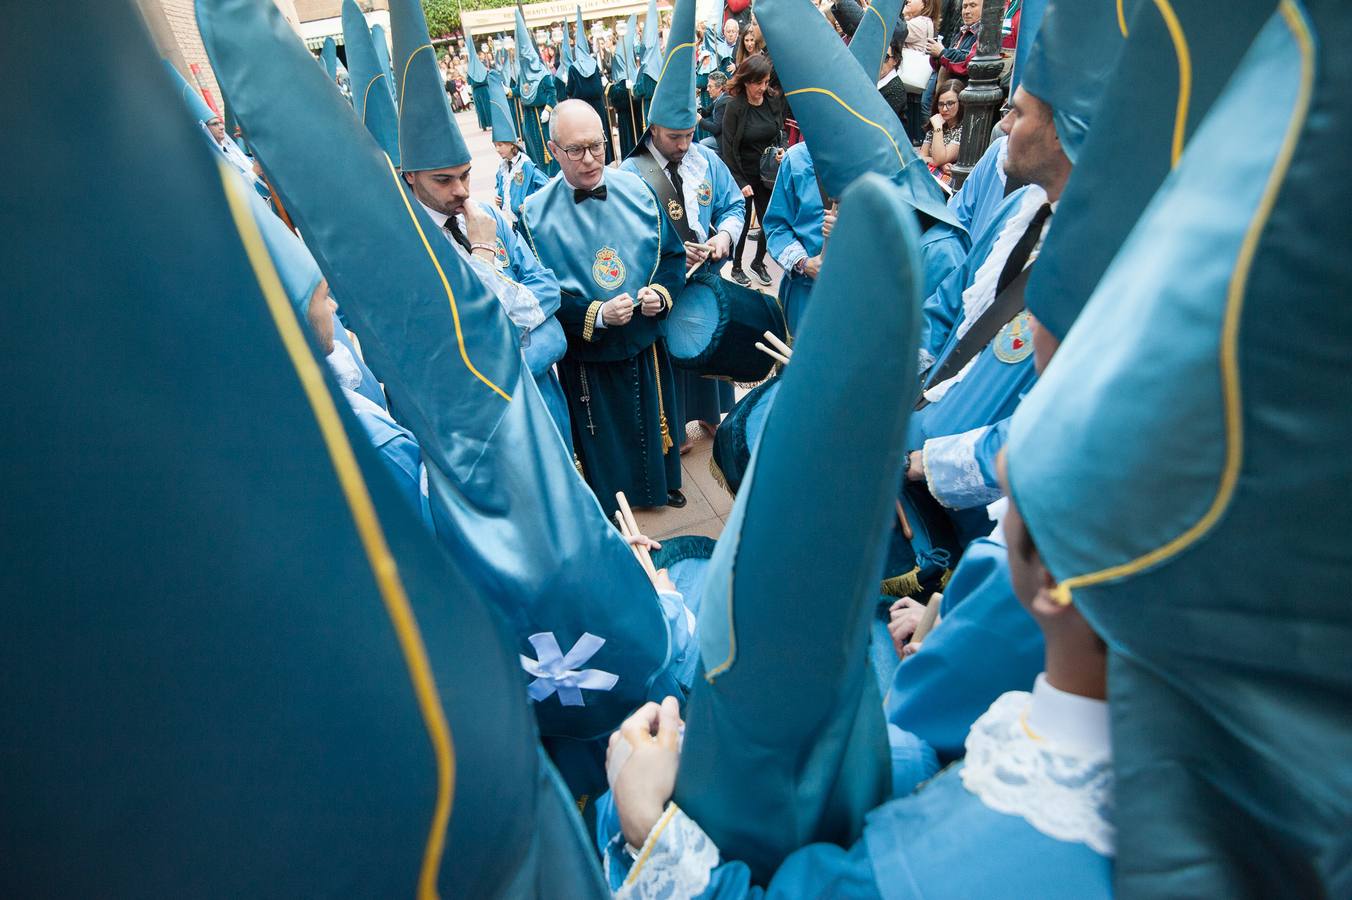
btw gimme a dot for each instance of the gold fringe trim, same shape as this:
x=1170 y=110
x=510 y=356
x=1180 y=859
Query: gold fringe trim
x=943 y=580
x=907 y=585
x=718 y=475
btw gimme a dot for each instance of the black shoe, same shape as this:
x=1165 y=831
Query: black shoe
x=762 y=273
x=740 y=277
x=675 y=499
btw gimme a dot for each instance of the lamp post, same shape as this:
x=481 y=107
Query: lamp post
x=981 y=99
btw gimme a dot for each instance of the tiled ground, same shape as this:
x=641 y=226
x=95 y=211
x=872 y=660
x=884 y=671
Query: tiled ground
x=708 y=504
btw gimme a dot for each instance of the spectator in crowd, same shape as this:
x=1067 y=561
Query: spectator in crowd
x=711 y=117
x=944 y=138
x=890 y=84
x=738 y=11
x=752 y=122
x=949 y=21
x=921 y=18
x=751 y=43
x=952 y=62
x=727 y=51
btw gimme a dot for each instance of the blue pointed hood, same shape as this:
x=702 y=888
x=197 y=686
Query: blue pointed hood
x=622 y=61
x=506 y=499
x=477 y=71
x=381 y=42
x=500 y=110
x=270 y=625
x=329 y=57
x=530 y=69
x=193 y=101
x=584 y=63
x=673 y=103
x=849 y=127
x=1070 y=63
x=1136 y=141
x=428 y=135
x=1030 y=22
x=650 y=62
x=1201 y=366
x=810 y=768
x=869 y=44
x=371 y=99
x=565 y=63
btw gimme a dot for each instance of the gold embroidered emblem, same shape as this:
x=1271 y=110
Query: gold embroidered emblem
x=675 y=210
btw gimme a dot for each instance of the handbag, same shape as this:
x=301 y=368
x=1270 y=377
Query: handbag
x=770 y=159
x=915 y=70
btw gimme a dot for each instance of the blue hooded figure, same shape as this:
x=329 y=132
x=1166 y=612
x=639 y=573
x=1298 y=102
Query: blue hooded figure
x=584 y=80
x=372 y=99
x=250 y=623
x=535 y=91
x=505 y=497
x=478 y=82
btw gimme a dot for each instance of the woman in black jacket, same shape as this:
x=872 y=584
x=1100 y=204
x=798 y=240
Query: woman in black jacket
x=752 y=122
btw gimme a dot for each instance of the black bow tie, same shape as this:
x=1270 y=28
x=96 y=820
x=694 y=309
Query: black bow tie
x=597 y=193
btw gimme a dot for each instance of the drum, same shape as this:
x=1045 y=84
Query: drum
x=739 y=434
x=714 y=325
x=920 y=565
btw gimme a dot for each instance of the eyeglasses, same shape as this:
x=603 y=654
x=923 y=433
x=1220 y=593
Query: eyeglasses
x=597 y=150
x=945 y=104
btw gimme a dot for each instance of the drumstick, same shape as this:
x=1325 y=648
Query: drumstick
x=631 y=524
x=927 y=619
x=905 y=525
x=773 y=340
x=691 y=271
x=776 y=356
x=624 y=532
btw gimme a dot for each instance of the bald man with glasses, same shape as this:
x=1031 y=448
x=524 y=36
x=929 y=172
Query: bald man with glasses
x=600 y=230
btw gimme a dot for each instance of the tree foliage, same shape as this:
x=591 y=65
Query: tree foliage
x=443 y=16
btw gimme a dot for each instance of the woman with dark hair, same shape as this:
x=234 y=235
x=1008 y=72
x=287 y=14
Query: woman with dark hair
x=752 y=122
x=944 y=139
x=890 y=84
x=750 y=43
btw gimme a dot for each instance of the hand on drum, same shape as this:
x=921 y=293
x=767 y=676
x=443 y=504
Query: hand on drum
x=618 y=310
x=650 y=302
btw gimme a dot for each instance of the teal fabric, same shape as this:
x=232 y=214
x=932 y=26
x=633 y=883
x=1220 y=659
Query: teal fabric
x=785 y=742
x=500 y=111
x=428 y=135
x=506 y=499
x=584 y=63
x=295 y=265
x=191 y=97
x=869 y=43
x=847 y=124
x=531 y=73
x=212 y=658
x=1071 y=61
x=649 y=56
x=1131 y=148
x=371 y=98
x=1221 y=591
x=673 y=102
x=329 y=57
x=381 y=43
x=1030 y=23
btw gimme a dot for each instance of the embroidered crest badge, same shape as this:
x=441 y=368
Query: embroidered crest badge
x=675 y=210
x=1014 y=343
x=704 y=193
x=500 y=255
x=520 y=177
x=608 y=268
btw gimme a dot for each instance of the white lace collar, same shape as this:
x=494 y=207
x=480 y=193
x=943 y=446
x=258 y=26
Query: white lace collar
x=1045 y=757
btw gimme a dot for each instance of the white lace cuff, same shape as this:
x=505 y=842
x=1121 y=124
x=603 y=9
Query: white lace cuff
x=953 y=472
x=675 y=863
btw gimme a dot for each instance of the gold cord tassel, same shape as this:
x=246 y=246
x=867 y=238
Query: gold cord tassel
x=667 y=442
x=907 y=585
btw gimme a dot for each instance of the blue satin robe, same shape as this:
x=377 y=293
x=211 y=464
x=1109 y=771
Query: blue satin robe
x=985 y=645
x=719 y=206
x=984 y=189
x=967 y=427
x=793 y=231
x=618 y=380
x=400 y=455
x=546 y=343
x=938 y=843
